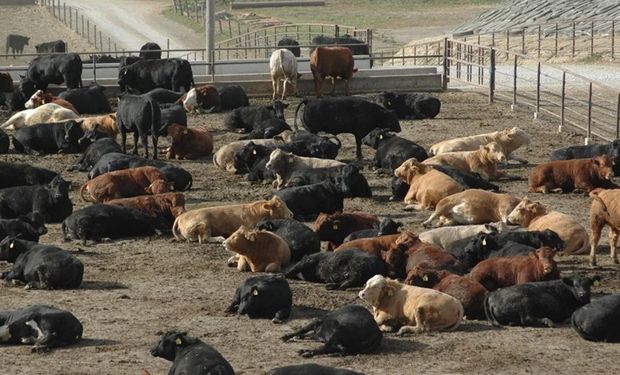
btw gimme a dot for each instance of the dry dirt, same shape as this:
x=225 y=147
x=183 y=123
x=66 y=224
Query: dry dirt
x=135 y=288
x=38 y=24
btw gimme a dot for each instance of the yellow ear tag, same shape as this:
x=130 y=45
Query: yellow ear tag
x=424 y=278
x=597 y=283
x=254 y=152
x=381 y=136
x=12 y=245
x=484 y=242
x=335 y=227
x=255 y=292
x=178 y=341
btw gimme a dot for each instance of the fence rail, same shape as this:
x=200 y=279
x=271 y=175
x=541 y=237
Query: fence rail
x=545 y=89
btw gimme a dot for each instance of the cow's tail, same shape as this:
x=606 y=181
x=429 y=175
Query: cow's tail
x=304 y=101
x=286 y=78
x=86 y=198
x=489 y=312
x=176 y=232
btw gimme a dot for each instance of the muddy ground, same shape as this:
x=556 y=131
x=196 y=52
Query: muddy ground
x=135 y=288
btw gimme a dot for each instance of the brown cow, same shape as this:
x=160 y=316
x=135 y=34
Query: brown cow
x=125 y=183
x=482 y=161
x=6 y=82
x=427 y=186
x=260 y=251
x=605 y=210
x=39 y=98
x=104 y=123
x=205 y=97
x=332 y=62
x=167 y=205
x=473 y=206
x=188 y=143
x=577 y=175
x=469 y=292
x=501 y=272
x=333 y=228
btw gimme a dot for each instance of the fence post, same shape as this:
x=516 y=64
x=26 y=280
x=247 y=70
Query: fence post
x=70 y=18
x=95 y=34
x=88 y=31
x=592 y=39
x=613 y=39
x=556 y=41
x=212 y=65
x=573 y=48
x=539 y=36
x=446 y=73
x=64 y=13
x=618 y=118
x=493 y=39
x=513 y=106
x=168 y=48
x=95 y=70
x=563 y=100
x=492 y=76
x=537 y=92
x=100 y=40
x=523 y=40
x=589 y=133
x=82 y=24
x=507 y=44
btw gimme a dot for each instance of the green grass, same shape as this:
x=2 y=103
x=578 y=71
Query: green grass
x=593 y=59
x=192 y=24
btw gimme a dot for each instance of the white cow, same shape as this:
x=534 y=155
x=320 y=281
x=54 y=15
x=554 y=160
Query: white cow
x=283 y=66
x=46 y=113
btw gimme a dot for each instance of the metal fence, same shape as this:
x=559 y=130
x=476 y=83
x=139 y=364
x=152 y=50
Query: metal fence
x=547 y=90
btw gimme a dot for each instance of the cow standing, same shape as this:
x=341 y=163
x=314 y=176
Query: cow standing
x=283 y=66
x=55 y=69
x=16 y=43
x=57 y=46
x=150 y=51
x=331 y=62
x=145 y=75
x=138 y=115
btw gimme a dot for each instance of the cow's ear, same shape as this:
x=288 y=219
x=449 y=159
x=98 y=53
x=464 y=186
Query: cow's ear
x=425 y=278
x=596 y=162
x=179 y=340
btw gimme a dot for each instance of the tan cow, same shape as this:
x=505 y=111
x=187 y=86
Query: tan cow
x=605 y=210
x=45 y=113
x=224 y=158
x=482 y=161
x=538 y=216
x=427 y=186
x=448 y=236
x=473 y=206
x=104 y=123
x=285 y=163
x=413 y=308
x=508 y=139
x=259 y=251
x=201 y=223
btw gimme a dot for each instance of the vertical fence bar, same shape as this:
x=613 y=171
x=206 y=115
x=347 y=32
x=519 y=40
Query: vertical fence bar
x=563 y=101
x=88 y=30
x=573 y=37
x=64 y=13
x=523 y=40
x=613 y=39
x=618 y=118
x=514 y=85
x=493 y=39
x=82 y=24
x=537 y=92
x=70 y=17
x=94 y=70
x=539 y=36
x=446 y=73
x=100 y=40
x=492 y=76
x=507 y=43
x=555 y=54
x=458 y=60
x=589 y=132
x=592 y=38
x=95 y=34
x=168 y=48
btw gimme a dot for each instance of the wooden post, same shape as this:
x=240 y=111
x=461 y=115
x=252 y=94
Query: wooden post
x=539 y=36
x=493 y=39
x=88 y=30
x=115 y=50
x=618 y=118
x=446 y=73
x=589 y=132
x=537 y=92
x=94 y=69
x=573 y=37
x=592 y=38
x=556 y=41
x=100 y=40
x=522 y=40
x=168 y=48
x=514 y=86
x=563 y=100
x=507 y=43
x=492 y=76
x=64 y=13
x=82 y=24
x=109 y=44
x=219 y=22
x=229 y=27
x=95 y=34
x=70 y=18
x=613 y=39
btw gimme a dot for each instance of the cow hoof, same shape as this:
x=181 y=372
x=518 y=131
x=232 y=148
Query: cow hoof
x=306 y=353
x=616 y=261
x=276 y=321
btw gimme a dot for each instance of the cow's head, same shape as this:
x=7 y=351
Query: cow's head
x=409 y=169
x=276 y=208
x=73 y=134
x=388 y=226
x=547 y=264
x=386 y=99
x=494 y=152
x=325 y=147
x=277 y=107
x=10 y=248
x=580 y=287
x=58 y=188
x=35 y=100
x=603 y=165
x=390 y=121
x=279 y=160
x=376 y=137
x=34 y=223
x=377 y=288
x=190 y=102
x=550 y=239
x=525 y=211
x=26 y=86
x=514 y=137
x=478 y=249
x=91 y=135
x=396 y=260
x=352 y=183
x=159 y=187
x=241 y=240
x=171 y=342
x=248 y=155
x=422 y=277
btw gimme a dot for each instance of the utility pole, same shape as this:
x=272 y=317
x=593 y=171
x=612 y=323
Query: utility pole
x=210 y=29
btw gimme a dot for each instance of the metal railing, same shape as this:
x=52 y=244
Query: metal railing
x=547 y=90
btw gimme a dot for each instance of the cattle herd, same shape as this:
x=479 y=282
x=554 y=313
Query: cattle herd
x=486 y=255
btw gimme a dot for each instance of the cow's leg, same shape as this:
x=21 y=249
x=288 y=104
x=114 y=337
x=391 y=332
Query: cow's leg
x=243 y=265
x=155 y=151
x=145 y=144
x=328 y=348
x=283 y=89
x=596 y=226
x=358 y=148
x=613 y=243
x=302 y=332
x=135 y=143
x=427 y=222
x=281 y=315
x=318 y=80
x=346 y=86
x=333 y=86
x=274 y=84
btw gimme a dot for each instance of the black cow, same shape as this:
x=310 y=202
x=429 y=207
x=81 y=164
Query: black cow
x=350 y=329
x=263 y=297
x=233 y=97
x=307 y=144
x=171 y=114
x=584 y=152
x=140 y=116
x=342 y=269
x=150 y=51
x=145 y=75
x=598 y=320
x=163 y=96
x=50 y=138
x=386 y=226
x=243 y=119
x=16 y=43
x=89 y=99
x=40 y=266
x=346 y=115
x=4 y=142
x=410 y=105
x=51 y=47
x=310 y=369
x=27 y=227
x=13 y=174
x=16 y=100
x=252 y=159
x=94 y=152
x=101 y=221
x=101 y=59
x=126 y=61
x=113 y=161
x=44 y=326
x=306 y=202
x=350 y=173
x=300 y=239
x=55 y=69
x=190 y=355
x=267 y=129
x=537 y=303
x=467 y=180
x=51 y=200
x=392 y=150
x=291 y=45
x=356 y=46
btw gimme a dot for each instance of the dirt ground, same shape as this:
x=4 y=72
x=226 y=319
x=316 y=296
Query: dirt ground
x=38 y=24
x=135 y=288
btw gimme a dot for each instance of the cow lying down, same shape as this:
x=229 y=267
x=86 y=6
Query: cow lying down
x=598 y=320
x=259 y=251
x=347 y=330
x=27 y=227
x=266 y=297
x=310 y=369
x=44 y=326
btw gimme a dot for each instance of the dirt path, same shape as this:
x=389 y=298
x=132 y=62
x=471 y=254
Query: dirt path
x=134 y=22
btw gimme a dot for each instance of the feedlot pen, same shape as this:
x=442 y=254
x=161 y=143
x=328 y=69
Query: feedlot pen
x=134 y=289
